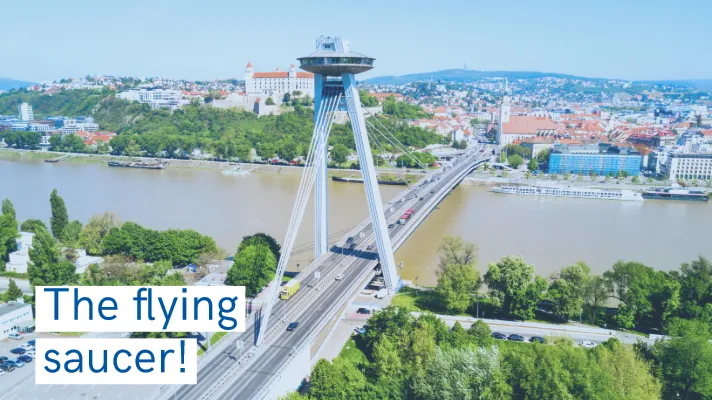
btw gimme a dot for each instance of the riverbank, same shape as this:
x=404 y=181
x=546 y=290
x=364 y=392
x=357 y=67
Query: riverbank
x=79 y=158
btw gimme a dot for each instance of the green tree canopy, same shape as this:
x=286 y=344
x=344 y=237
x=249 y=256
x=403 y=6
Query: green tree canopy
x=8 y=232
x=47 y=266
x=95 y=230
x=340 y=153
x=33 y=225
x=60 y=218
x=261 y=238
x=13 y=292
x=566 y=291
x=513 y=287
x=254 y=267
x=533 y=165
x=515 y=161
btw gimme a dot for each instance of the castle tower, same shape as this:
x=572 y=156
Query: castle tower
x=249 y=83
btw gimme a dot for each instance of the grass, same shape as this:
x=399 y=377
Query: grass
x=213 y=339
x=352 y=353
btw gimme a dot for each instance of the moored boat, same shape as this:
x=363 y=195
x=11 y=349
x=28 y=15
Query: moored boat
x=138 y=164
x=574 y=192
x=675 y=194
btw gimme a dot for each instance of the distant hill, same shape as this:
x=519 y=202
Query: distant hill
x=461 y=75
x=7 y=84
x=702 y=84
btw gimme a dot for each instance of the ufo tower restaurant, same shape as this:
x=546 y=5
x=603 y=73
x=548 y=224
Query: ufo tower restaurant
x=334 y=67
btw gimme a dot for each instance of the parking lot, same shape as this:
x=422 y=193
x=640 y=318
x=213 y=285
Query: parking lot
x=20 y=383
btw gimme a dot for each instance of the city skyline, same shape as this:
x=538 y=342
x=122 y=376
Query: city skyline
x=635 y=41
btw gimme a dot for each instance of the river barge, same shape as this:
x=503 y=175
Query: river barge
x=675 y=194
x=360 y=180
x=138 y=164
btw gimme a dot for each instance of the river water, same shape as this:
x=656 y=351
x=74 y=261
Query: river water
x=549 y=233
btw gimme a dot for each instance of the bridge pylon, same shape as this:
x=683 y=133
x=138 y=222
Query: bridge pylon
x=334 y=66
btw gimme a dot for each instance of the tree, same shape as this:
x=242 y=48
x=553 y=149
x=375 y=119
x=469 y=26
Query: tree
x=95 y=230
x=457 y=374
x=32 y=226
x=456 y=285
x=481 y=333
x=287 y=98
x=60 y=218
x=454 y=250
x=340 y=153
x=13 y=292
x=629 y=375
x=595 y=293
x=696 y=289
x=338 y=380
x=566 y=291
x=685 y=360
x=513 y=287
x=515 y=161
x=8 y=232
x=648 y=297
x=254 y=267
x=269 y=101
x=533 y=165
x=47 y=266
x=543 y=156
x=262 y=238
x=71 y=233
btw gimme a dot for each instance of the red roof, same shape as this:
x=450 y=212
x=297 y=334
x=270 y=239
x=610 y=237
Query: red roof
x=278 y=74
x=249 y=64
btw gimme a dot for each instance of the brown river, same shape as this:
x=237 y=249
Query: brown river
x=549 y=233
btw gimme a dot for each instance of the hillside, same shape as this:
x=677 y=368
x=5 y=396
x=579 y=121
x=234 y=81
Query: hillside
x=7 y=84
x=461 y=75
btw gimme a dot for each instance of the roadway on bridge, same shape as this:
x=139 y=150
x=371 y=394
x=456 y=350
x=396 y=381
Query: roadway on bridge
x=248 y=381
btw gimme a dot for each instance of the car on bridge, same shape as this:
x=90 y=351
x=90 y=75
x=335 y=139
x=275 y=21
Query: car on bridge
x=391 y=226
x=292 y=326
x=339 y=277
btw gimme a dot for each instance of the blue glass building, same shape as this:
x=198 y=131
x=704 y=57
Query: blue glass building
x=603 y=159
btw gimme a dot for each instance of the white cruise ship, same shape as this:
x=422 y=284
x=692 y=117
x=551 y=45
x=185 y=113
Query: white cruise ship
x=576 y=192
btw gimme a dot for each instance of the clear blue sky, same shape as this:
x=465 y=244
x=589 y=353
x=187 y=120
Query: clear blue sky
x=628 y=39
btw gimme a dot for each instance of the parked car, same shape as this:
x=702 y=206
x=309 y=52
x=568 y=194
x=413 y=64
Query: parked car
x=25 y=359
x=537 y=339
x=15 y=336
x=3 y=359
x=18 y=350
x=500 y=336
x=31 y=342
x=26 y=346
x=7 y=366
x=19 y=363
x=516 y=338
x=339 y=277
x=363 y=310
x=588 y=344
x=360 y=331
x=292 y=326
x=31 y=353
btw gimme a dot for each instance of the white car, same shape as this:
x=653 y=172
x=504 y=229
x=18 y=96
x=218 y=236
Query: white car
x=339 y=277
x=15 y=336
x=2 y=372
x=588 y=344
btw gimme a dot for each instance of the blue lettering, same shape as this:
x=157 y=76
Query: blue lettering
x=78 y=361
x=139 y=361
x=223 y=310
x=56 y=299
x=103 y=308
x=116 y=359
x=79 y=300
x=167 y=314
x=52 y=360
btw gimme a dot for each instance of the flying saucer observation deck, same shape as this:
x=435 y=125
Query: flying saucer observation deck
x=336 y=63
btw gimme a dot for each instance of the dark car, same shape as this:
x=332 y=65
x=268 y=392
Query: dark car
x=363 y=311
x=349 y=240
x=18 y=350
x=516 y=338
x=537 y=339
x=292 y=326
x=422 y=198
x=25 y=359
x=500 y=336
x=31 y=342
x=432 y=191
x=8 y=366
x=369 y=247
x=391 y=226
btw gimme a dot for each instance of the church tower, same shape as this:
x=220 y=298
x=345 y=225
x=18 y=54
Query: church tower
x=504 y=111
x=249 y=83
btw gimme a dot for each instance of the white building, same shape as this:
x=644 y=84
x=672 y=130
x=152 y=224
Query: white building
x=13 y=317
x=20 y=257
x=276 y=84
x=83 y=261
x=25 y=112
x=156 y=98
x=687 y=166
